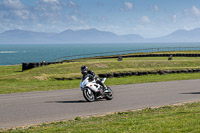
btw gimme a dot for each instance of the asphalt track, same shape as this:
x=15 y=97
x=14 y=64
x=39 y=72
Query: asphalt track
x=24 y=109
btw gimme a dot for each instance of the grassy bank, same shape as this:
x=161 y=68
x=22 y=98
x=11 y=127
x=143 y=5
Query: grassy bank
x=184 y=118
x=13 y=80
x=15 y=86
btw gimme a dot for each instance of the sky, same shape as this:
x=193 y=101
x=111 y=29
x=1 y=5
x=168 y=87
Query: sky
x=148 y=18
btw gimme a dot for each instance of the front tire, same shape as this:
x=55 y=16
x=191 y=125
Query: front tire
x=88 y=95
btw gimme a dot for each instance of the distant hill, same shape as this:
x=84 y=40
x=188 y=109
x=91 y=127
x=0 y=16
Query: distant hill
x=179 y=36
x=24 y=37
x=68 y=36
x=92 y=36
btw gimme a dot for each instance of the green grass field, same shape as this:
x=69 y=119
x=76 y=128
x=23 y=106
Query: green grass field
x=184 y=118
x=13 y=80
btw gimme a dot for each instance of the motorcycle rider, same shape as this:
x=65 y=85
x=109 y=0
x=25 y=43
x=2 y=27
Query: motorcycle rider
x=85 y=71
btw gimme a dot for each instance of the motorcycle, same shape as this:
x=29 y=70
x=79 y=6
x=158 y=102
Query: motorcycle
x=93 y=91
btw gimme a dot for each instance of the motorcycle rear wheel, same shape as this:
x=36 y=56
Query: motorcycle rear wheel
x=109 y=96
x=88 y=95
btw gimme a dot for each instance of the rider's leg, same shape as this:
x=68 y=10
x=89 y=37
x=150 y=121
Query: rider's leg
x=102 y=84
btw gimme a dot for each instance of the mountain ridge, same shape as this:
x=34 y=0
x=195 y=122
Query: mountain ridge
x=92 y=36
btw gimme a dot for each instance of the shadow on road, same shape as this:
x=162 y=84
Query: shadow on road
x=79 y=101
x=191 y=93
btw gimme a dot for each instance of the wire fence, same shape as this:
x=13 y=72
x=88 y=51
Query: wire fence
x=118 y=53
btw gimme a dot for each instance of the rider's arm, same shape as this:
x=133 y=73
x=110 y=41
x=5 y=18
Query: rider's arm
x=92 y=73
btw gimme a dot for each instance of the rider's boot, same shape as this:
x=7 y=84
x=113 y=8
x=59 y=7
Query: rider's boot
x=105 y=88
x=103 y=85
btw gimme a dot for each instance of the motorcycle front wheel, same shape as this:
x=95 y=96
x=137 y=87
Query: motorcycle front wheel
x=88 y=95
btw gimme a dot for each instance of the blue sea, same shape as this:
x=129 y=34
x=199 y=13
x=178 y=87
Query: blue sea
x=11 y=54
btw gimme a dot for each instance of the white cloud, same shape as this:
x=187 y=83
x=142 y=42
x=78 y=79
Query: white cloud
x=127 y=6
x=48 y=11
x=174 y=18
x=155 y=7
x=188 y=28
x=196 y=10
x=40 y=25
x=145 y=19
x=13 y=4
x=108 y=27
x=193 y=11
x=53 y=1
x=72 y=3
x=49 y=5
x=45 y=15
x=74 y=18
x=13 y=10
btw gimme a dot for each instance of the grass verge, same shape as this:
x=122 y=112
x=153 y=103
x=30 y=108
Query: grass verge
x=13 y=80
x=184 y=118
x=15 y=86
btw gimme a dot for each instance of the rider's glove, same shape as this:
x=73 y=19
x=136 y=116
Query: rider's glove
x=91 y=78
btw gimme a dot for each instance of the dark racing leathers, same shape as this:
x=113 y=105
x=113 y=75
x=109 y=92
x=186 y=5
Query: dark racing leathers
x=92 y=77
